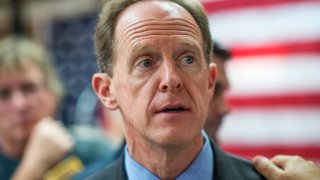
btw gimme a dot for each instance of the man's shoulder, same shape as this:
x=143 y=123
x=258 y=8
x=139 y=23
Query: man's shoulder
x=228 y=166
x=108 y=172
x=114 y=171
x=245 y=167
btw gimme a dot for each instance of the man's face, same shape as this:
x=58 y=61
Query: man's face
x=218 y=106
x=160 y=78
x=23 y=102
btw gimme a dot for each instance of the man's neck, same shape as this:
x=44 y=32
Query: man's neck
x=165 y=162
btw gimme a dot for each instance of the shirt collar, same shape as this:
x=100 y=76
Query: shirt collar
x=201 y=168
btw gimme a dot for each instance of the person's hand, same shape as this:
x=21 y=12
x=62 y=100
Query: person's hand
x=49 y=143
x=283 y=167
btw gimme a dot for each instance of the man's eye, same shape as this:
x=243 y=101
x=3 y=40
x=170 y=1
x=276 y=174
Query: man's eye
x=145 y=63
x=188 y=59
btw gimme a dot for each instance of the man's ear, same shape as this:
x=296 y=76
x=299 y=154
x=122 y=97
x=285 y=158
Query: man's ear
x=212 y=78
x=101 y=84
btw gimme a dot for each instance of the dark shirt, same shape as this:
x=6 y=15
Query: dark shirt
x=7 y=166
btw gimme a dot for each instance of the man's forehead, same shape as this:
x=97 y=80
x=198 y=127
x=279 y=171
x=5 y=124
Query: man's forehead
x=152 y=10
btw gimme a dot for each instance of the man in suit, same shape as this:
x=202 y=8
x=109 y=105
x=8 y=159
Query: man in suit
x=154 y=57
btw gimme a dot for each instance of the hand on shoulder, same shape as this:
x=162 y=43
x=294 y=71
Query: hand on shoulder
x=282 y=167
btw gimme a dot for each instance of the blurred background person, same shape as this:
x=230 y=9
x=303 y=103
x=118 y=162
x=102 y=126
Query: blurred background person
x=31 y=141
x=218 y=107
x=87 y=129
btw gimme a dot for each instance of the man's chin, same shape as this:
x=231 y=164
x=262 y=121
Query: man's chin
x=173 y=139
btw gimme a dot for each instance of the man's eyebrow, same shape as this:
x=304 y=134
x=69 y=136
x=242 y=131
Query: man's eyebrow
x=187 y=46
x=191 y=45
x=137 y=50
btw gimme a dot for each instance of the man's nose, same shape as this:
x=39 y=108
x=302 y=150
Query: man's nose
x=170 y=78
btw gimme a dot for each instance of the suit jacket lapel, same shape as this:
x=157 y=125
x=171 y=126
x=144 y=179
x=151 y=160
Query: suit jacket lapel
x=120 y=168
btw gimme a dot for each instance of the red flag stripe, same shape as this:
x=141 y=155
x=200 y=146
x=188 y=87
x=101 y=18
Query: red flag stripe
x=308 y=152
x=288 y=100
x=277 y=49
x=214 y=6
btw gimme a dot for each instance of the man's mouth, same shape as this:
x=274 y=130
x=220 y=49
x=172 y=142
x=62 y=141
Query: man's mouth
x=173 y=109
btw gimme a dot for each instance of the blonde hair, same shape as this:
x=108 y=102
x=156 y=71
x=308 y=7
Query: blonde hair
x=16 y=52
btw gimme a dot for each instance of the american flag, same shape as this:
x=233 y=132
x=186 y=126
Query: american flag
x=274 y=75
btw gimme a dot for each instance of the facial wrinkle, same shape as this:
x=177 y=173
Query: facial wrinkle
x=162 y=27
x=172 y=21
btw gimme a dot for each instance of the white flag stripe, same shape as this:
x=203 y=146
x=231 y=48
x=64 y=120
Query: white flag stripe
x=274 y=74
x=273 y=127
x=260 y=25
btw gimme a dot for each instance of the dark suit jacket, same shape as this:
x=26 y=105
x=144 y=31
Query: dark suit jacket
x=226 y=167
